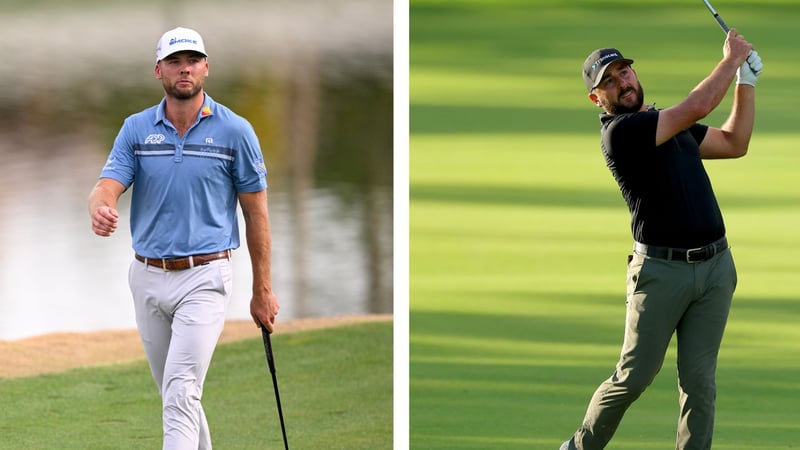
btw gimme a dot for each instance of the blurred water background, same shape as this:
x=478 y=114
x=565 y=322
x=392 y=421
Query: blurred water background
x=313 y=77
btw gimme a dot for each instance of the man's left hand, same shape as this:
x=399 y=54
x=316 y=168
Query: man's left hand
x=749 y=72
x=263 y=308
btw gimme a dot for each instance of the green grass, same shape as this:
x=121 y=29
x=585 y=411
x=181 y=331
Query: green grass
x=519 y=235
x=335 y=386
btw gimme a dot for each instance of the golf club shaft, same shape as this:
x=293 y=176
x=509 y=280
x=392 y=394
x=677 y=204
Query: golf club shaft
x=271 y=364
x=721 y=22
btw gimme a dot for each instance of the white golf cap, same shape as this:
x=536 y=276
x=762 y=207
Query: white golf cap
x=179 y=40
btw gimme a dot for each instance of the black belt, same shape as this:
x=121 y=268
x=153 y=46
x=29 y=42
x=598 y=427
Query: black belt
x=689 y=255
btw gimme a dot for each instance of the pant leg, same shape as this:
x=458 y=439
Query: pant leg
x=699 y=337
x=180 y=316
x=154 y=324
x=197 y=323
x=657 y=294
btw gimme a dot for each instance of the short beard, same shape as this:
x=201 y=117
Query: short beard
x=619 y=108
x=183 y=94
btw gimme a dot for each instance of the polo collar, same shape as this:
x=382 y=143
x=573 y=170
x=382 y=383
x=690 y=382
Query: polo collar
x=209 y=105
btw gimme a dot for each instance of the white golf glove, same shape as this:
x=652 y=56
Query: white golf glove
x=749 y=72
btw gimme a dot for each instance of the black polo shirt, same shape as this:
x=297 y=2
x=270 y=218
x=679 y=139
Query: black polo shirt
x=666 y=187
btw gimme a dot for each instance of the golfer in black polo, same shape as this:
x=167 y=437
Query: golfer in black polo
x=681 y=276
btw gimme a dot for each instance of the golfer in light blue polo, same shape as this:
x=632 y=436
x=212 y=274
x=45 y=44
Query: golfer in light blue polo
x=190 y=161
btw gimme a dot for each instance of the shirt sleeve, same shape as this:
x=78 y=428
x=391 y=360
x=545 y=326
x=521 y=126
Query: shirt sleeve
x=698 y=132
x=121 y=163
x=250 y=172
x=631 y=133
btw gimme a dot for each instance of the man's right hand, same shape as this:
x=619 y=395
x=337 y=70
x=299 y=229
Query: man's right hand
x=104 y=221
x=736 y=47
x=102 y=202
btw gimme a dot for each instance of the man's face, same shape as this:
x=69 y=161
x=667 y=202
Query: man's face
x=619 y=91
x=182 y=74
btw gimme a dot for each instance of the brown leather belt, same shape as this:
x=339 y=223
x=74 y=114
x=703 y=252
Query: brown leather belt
x=187 y=262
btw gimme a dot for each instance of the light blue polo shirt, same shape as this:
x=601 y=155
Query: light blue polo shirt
x=185 y=189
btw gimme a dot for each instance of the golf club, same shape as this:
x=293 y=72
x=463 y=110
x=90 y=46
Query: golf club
x=721 y=23
x=271 y=364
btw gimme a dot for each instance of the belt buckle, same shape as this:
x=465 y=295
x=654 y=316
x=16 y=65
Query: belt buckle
x=689 y=253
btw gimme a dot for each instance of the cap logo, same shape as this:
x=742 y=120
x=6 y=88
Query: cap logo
x=603 y=58
x=174 y=41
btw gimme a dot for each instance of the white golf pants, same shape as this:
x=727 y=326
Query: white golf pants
x=180 y=315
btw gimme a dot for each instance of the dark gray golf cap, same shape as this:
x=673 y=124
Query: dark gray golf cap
x=596 y=64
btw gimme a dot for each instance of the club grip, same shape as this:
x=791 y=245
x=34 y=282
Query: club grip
x=721 y=23
x=268 y=349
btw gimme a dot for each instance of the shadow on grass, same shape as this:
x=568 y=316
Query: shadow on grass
x=779 y=310
x=478 y=119
x=474 y=380
x=515 y=328
x=500 y=119
x=539 y=196
x=492 y=380
x=519 y=196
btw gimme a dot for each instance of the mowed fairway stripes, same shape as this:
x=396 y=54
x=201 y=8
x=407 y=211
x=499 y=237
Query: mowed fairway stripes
x=519 y=235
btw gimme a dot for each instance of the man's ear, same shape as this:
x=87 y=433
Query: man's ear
x=593 y=98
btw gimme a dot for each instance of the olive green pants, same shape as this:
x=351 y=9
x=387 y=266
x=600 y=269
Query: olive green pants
x=666 y=297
